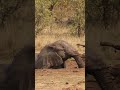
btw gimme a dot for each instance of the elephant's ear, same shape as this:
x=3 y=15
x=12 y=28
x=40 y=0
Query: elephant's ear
x=55 y=59
x=49 y=59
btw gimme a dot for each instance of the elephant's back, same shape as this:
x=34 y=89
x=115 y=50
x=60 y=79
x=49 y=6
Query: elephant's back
x=68 y=48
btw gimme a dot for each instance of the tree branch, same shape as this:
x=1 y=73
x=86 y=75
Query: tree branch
x=110 y=45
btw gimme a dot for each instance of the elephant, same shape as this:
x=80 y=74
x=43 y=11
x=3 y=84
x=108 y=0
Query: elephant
x=115 y=71
x=96 y=67
x=55 y=54
x=20 y=74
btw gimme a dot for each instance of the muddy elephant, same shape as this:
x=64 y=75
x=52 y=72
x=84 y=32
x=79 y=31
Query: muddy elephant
x=96 y=67
x=55 y=54
x=20 y=74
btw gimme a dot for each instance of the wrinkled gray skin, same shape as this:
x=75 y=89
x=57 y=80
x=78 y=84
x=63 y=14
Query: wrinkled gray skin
x=96 y=67
x=20 y=74
x=115 y=71
x=55 y=54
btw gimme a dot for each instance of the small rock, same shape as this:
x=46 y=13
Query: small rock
x=66 y=83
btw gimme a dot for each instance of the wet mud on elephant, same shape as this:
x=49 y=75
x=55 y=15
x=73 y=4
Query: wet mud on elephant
x=20 y=74
x=55 y=54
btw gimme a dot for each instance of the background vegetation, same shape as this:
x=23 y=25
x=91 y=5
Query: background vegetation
x=59 y=19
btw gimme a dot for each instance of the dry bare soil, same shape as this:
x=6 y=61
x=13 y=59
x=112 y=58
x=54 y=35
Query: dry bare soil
x=69 y=78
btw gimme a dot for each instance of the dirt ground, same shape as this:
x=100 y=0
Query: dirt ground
x=69 y=78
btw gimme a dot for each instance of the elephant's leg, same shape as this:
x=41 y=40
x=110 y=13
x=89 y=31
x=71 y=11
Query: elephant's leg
x=80 y=62
x=73 y=53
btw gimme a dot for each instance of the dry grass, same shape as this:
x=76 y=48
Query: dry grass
x=45 y=37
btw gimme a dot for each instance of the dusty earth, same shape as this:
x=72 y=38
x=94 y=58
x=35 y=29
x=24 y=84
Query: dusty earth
x=69 y=78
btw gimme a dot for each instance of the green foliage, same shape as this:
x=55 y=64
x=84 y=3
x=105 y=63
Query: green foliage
x=66 y=13
x=79 y=16
x=42 y=14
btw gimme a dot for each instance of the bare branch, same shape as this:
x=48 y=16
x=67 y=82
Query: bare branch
x=110 y=45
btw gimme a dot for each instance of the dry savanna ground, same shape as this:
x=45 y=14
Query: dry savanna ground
x=70 y=78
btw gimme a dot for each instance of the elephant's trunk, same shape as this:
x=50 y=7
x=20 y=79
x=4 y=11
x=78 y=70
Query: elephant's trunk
x=80 y=62
x=105 y=79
